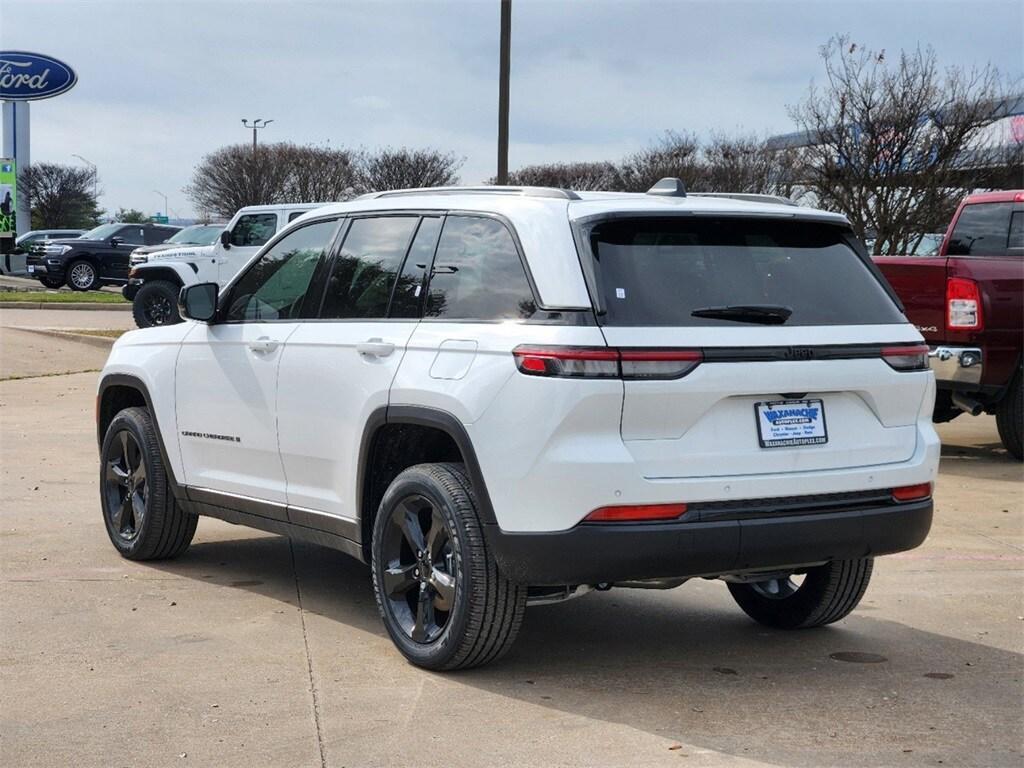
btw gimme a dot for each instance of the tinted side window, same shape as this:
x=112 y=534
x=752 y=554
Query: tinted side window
x=477 y=274
x=1017 y=232
x=981 y=230
x=133 y=235
x=365 y=269
x=294 y=215
x=274 y=287
x=254 y=229
x=155 y=235
x=405 y=299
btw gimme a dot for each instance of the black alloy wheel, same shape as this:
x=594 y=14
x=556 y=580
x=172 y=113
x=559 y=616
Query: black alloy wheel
x=157 y=309
x=419 y=578
x=156 y=303
x=125 y=485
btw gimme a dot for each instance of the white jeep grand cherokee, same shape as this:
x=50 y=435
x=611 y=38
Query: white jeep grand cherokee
x=500 y=396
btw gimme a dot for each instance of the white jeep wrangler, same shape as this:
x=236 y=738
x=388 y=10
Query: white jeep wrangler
x=154 y=281
x=499 y=396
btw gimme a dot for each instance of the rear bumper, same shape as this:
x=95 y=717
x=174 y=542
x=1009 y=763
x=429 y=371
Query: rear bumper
x=596 y=553
x=958 y=366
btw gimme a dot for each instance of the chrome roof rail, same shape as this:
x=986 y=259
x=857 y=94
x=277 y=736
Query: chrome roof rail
x=563 y=194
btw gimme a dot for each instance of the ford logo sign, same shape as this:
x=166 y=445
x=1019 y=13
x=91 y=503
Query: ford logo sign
x=25 y=76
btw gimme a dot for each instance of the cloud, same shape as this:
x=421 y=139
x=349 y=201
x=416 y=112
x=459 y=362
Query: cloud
x=163 y=83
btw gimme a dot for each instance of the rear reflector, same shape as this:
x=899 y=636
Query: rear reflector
x=907 y=358
x=963 y=305
x=636 y=513
x=912 y=492
x=606 y=362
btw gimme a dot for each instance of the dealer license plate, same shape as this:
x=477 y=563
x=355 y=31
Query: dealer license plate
x=31 y=269
x=782 y=423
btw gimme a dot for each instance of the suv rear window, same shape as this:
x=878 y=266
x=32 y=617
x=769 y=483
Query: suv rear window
x=658 y=271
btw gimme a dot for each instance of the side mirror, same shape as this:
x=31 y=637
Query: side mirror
x=198 y=302
x=115 y=241
x=225 y=238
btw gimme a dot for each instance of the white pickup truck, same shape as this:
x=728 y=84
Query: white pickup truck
x=153 y=285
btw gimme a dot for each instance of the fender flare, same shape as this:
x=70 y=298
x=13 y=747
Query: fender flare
x=133 y=382
x=425 y=417
x=184 y=273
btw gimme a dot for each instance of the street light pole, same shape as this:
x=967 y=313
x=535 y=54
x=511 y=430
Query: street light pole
x=92 y=166
x=256 y=125
x=503 y=77
x=166 y=211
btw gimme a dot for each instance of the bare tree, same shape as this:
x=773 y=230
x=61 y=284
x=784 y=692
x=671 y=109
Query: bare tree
x=747 y=164
x=578 y=175
x=240 y=175
x=408 y=168
x=888 y=139
x=674 y=155
x=319 y=174
x=60 y=195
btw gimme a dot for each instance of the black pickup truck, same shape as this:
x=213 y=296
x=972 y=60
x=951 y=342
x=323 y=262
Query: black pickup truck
x=97 y=258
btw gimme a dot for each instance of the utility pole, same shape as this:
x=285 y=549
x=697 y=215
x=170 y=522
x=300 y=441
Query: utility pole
x=256 y=125
x=503 y=76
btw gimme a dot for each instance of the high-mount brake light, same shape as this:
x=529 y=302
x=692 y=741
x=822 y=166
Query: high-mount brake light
x=907 y=358
x=606 y=362
x=635 y=513
x=912 y=492
x=963 y=305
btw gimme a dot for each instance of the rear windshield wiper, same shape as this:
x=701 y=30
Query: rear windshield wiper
x=766 y=314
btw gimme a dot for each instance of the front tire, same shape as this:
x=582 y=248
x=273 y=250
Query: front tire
x=156 y=303
x=142 y=518
x=83 y=276
x=1010 y=419
x=828 y=593
x=442 y=599
x=51 y=282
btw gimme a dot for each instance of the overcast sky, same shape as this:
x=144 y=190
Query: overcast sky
x=163 y=83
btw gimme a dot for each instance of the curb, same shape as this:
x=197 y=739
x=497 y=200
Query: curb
x=95 y=307
x=94 y=341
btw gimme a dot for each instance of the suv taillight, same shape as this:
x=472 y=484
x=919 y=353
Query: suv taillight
x=963 y=305
x=907 y=358
x=606 y=362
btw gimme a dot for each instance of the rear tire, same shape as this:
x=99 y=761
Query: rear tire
x=828 y=593
x=1010 y=419
x=156 y=303
x=83 y=276
x=142 y=518
x=443 y=601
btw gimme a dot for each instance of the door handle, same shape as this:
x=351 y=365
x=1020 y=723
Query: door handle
x=263 y=345
x=375 y=347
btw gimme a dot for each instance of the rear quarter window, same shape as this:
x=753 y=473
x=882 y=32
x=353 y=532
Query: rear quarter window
x=658 y=271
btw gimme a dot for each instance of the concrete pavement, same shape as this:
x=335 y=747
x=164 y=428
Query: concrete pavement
x=249 y=651
x=66 y=318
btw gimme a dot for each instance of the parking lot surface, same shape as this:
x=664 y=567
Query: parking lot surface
x=251 y=651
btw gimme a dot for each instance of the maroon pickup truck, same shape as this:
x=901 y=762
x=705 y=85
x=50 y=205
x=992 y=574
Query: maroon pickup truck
x=968 y=303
